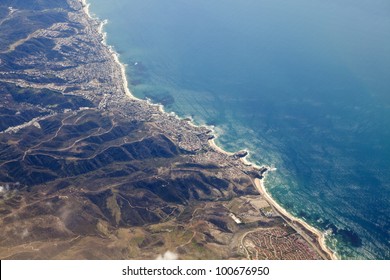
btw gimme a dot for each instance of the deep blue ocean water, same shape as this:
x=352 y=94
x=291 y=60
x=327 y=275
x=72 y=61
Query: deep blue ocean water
x=304 y=85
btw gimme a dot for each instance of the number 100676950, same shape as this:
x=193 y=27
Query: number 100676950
x=243 y=270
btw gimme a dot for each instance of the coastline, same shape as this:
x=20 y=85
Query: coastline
x=218 y=148
x=244 y=160
x=259 y=183
x=85 y=6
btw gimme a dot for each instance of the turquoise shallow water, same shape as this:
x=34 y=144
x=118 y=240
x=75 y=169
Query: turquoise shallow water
x=302 y=84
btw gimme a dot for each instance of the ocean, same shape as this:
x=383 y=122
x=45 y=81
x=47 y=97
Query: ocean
x=303 y=85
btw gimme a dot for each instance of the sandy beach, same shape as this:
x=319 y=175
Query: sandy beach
x=244 y=159
x=219 y=149
x=114 y=54
x=262 y=190
x=320 y=236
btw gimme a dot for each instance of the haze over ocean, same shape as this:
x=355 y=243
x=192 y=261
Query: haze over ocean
x=304 y=85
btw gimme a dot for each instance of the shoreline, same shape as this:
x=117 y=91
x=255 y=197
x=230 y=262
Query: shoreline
x=244 y=160
x=85 y=6
x=259 y=183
